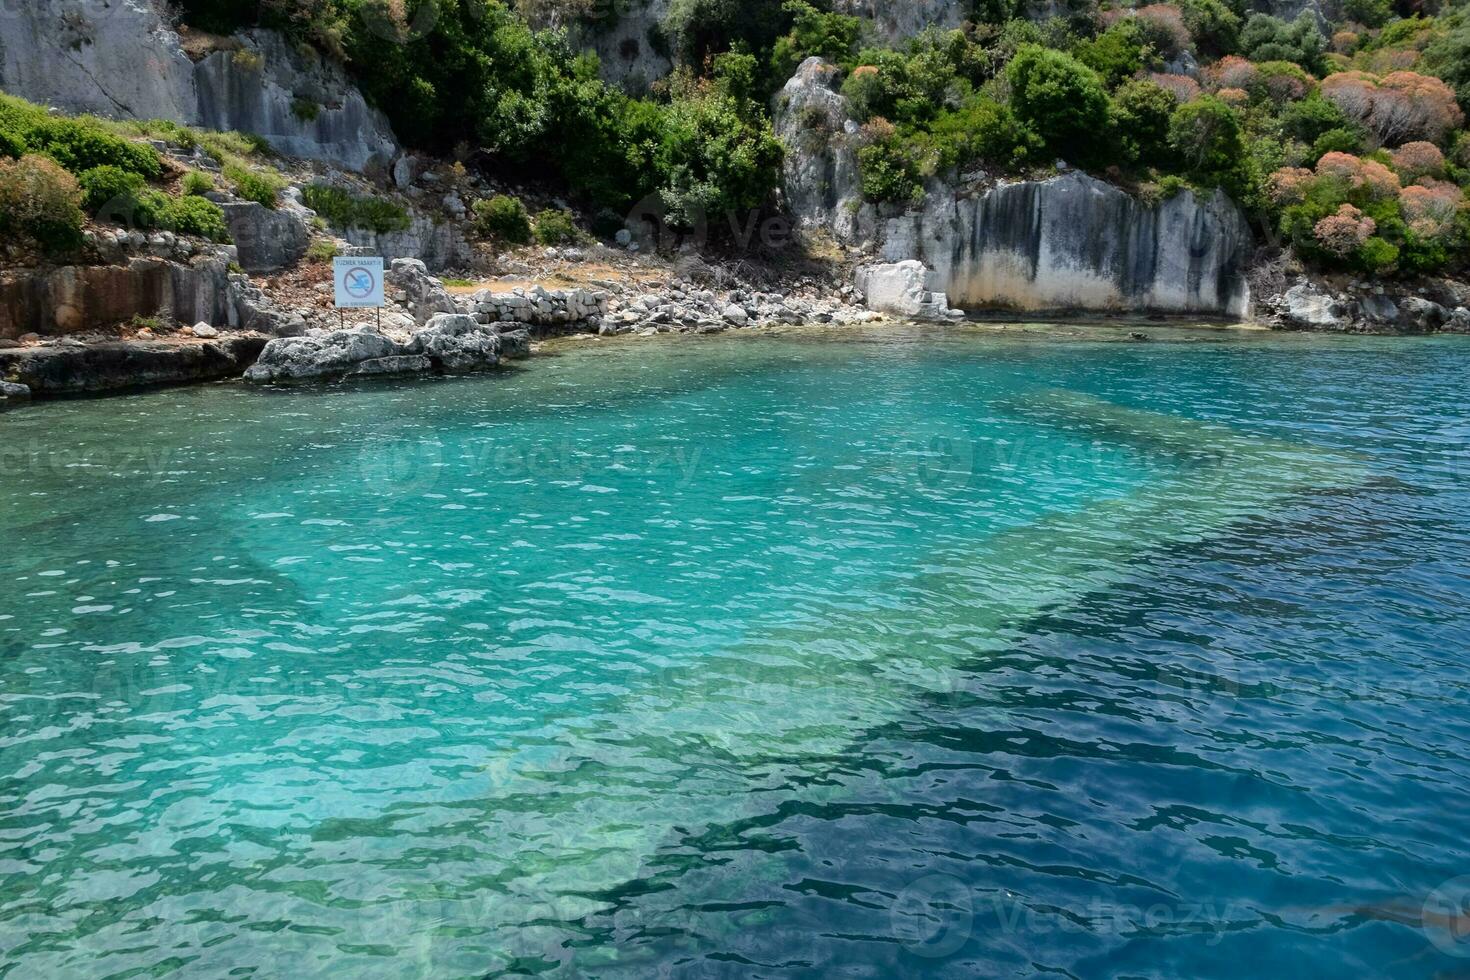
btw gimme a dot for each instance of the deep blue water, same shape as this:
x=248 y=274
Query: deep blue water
x=876 y=654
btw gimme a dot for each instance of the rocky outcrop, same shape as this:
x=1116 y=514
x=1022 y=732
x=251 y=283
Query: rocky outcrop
x=117 y=59
x=1374 y=308
x=266 y=240
x=70 y=299
x=416 y=291
x=78 y=369
x=821 y=180
x=123 y=59
x=902 y=289
x=450 y=343
x=1076 y=243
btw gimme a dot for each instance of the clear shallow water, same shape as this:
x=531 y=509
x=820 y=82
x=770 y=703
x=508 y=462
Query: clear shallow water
x=896 y=653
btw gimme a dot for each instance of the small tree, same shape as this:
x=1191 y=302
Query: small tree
x=1060 y=99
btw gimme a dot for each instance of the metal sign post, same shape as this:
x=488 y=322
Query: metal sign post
x=358 y=285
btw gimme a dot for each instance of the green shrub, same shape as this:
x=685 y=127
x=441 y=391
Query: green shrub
x=197 y=183
x=1337 y=141
x=322 y=250
x=1213 y=25
x=1117 y=53
x=254 y=185
x=503 y=218
x=814 y=32
x=1307 y=120
x=557 y=228
x=980 y=131
x=1206 y=140
x=346 y=210
x=1141 y=115
x=1061 y=100
x=11 y=144
x=106 y=184
x=889 y=172
x=1267 y=38
x=194 y=216
x=718 y=157
x=1369 y=13
x=306 y=110
x=40 y=202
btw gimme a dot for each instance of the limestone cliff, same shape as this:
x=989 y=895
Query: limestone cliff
x=123 y=59
x=1071 y=242
x=1076 y=243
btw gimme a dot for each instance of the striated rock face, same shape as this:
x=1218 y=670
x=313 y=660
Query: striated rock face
x=624 y=36
x=233 y=93
x=1077 y=243
x=122 y=58
x=895 y=20
x=821 y=180
x=1069 y=243
x=75 y=298
x=117 y=59
x=88 y=369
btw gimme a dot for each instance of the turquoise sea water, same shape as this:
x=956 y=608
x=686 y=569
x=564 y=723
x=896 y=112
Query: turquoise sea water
x=888 y=653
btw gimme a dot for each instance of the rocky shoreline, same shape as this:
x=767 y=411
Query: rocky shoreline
x=428 y=330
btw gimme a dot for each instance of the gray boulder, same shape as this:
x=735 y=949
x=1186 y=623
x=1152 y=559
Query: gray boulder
x=1459 y=321
x=13 y=392
x=457 y=342
x=266 y=240
x=311 y=358
x=902 y=289
x=423 y=295
x=1306 y=307
x=516 y=343
x=1419 y=315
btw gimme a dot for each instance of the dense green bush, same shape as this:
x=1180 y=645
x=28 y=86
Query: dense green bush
x=718 y=155
x=196 y=182
x=503 y=218
x=190 y=215
x=557 y=228
x=1116 y=54
x=41 y=203
x=104 y=185
x=253 y=185
x=1206 y=140
x=346 y=210
x=78 y=143
x=1061 y=100
x=889 y=171
x=1267 y=38
x=814 y=33
x=1141 y=115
